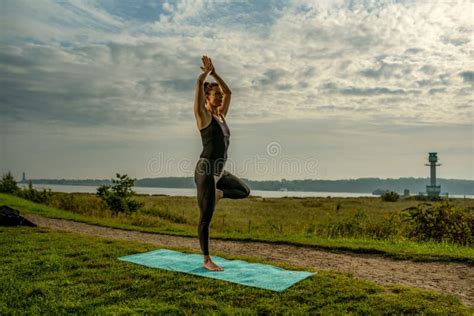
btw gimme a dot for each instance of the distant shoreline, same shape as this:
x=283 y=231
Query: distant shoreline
x=91 y=189
x=361 y=185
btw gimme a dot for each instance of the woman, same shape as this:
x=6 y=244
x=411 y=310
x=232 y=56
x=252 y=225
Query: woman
x=211 y=103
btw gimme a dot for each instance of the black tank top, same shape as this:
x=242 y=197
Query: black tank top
x=215 y=139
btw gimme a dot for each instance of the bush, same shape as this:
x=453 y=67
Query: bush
x=440 y=222
x=356 y=225
x=117 y=196
x=390 y=197
x=391 y=226
x=353 y=226
x=34 y=195
x=65 y=202
x=8 y=184
x=361 y=225
x=79 y=203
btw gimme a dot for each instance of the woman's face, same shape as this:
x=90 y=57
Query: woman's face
x=215 y=96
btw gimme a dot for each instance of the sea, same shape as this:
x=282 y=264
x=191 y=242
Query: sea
x=192 y=191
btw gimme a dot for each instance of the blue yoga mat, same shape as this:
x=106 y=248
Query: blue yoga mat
x=237 y=271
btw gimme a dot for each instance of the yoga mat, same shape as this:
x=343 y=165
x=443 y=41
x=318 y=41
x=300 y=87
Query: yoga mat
x=237 y=271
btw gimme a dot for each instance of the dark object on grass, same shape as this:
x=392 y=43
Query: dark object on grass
x=11 y=217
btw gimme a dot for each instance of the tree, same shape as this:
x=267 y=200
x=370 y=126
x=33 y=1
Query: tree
x=117 y=196
x=8 y=184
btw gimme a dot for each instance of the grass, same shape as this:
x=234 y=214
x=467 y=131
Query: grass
x=51 y=272
x=278 y=220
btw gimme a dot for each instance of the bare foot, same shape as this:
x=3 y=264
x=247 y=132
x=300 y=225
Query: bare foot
x=209 y=265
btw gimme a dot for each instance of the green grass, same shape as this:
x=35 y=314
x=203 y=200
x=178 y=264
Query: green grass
x=51 y=272
x=179 y=216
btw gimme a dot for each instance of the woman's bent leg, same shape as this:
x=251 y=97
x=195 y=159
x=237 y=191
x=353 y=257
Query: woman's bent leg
x=232 y=186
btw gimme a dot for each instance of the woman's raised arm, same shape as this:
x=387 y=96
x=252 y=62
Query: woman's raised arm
x=224 y=107
x=200 y=112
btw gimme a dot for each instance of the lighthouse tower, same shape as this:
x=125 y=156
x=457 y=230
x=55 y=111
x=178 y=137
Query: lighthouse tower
x=432 y=189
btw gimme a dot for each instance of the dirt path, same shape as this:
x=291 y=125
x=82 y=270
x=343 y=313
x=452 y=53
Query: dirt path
x=452 y=278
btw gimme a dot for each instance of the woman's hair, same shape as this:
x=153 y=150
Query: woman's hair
x=208 y=86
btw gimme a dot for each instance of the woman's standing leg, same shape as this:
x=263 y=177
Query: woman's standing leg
x=206 y=192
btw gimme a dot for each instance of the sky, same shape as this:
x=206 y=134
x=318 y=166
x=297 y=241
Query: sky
x=320 y=89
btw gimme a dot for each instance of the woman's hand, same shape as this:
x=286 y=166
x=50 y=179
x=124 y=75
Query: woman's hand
x=207 y=68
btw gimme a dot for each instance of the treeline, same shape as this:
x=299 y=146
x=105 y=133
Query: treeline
x=367 y=185
x=91 y=182
x=361 y=185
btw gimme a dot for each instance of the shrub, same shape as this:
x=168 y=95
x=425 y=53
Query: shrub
x=390 y=197
x=440 y=222
x=117 y=196
x=353 y=226
x=78 y=203
x=362 y=225
x=356 y=225
x=8 y=184
x=35 y=195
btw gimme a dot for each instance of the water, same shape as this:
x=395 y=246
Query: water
x=192 y=191
x=188 y=191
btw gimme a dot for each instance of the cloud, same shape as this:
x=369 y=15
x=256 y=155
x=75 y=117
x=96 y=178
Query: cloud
x=437 y=90
x=271 y=77
x=376 y=91
x=352 y=74
x=467 y=76
x=332 y=88
x=140 y=11
x=118 y=62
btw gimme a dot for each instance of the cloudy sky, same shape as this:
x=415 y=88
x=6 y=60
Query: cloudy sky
x=321 y=89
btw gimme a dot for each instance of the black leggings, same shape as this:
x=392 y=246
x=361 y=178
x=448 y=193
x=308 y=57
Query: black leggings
x=231 y=186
